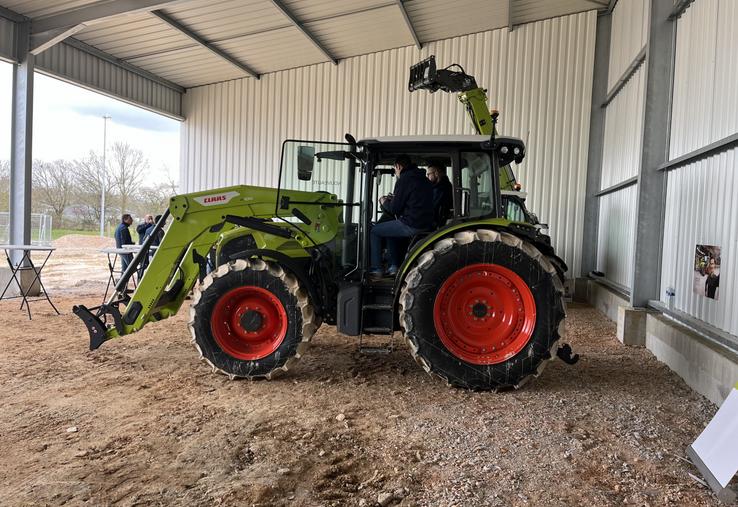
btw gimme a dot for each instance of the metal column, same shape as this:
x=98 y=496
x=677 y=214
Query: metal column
x=652 y=182
x=21 y=133
x=596 y=143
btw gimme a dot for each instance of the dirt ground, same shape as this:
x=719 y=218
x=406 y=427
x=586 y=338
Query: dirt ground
x=142 y=422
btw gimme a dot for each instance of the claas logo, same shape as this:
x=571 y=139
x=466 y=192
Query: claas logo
x=215 y=198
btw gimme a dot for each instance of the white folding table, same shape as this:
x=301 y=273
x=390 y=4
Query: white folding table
x=26 y=263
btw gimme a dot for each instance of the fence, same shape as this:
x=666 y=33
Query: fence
x=40 y=228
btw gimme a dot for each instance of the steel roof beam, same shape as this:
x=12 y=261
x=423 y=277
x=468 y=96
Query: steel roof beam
x=11 y=15
x=261 y=31
x=603 y=4
x=95 y=12
x=202 y=42
x=43 y=41
x=301 y=26
x=409 y=24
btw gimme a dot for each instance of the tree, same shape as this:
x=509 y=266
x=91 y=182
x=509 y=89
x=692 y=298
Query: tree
x=53 y=184
x=127 y=169
x=89 y=175
x=154 y=200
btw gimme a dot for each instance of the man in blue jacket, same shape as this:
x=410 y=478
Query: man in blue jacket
x=123 y=237
x=411 y=204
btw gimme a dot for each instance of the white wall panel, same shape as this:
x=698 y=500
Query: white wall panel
x=701 y=198
x=621 y=152
x=7 y=39
x=80 y=67
x=628 y=36
x=539 y=76
x=702 y=208
x=705 y=107
x=616 y=233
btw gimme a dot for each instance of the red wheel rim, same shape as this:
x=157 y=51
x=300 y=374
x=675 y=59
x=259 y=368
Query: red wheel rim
x=249 y=323
x=484 y=314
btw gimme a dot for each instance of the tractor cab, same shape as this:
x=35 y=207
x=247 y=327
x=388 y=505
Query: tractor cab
x=357 y=174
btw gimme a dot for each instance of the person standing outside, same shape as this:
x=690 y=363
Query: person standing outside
x=123 y=237
x=150 y=232
x=412 y=206
x=141 y=228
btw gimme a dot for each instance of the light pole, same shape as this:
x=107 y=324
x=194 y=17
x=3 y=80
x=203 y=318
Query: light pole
x=103 y=178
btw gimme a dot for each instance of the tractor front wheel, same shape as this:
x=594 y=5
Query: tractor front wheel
x=251 y=319
x=482 y=310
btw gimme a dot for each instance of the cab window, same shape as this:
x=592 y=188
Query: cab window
x=476 y=184
x=513 y=209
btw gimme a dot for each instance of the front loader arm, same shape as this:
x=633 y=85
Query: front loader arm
x=425 y=76
x=199 y=219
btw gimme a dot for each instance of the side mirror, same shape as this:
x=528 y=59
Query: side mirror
x=305 y=162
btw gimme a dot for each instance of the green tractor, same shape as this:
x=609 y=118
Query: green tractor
x=479 y=300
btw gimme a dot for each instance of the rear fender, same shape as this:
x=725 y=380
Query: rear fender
x=519 y=229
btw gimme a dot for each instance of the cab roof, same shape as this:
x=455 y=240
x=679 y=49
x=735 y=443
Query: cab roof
x=425 y=139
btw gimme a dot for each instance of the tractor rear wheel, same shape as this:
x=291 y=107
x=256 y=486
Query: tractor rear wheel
x=482 y=310
x=251 y=319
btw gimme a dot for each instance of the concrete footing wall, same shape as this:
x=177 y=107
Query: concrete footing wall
x=605 y=300
x=707 y=367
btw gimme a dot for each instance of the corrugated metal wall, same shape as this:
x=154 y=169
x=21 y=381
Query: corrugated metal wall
x=621 y=152
x=7 y=39
x=615 y=236
x=628 y=36
x=705 y=107
x=539 y=76
x=80 y=67
x=702 y=197
x=702 y=208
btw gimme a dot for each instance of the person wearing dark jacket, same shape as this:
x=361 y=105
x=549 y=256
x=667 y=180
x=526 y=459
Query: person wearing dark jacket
x=443 y=200
x=412 y=206
x=141 y=228
x=123 y=237
x=150 y=231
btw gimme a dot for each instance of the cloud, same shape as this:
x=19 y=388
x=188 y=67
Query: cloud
x=124 y=114
x=56 y=95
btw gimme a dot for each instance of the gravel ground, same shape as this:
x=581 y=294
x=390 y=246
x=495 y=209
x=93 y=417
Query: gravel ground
x=141 y=422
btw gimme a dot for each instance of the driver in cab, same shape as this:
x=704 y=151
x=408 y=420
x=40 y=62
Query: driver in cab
x=411 y=205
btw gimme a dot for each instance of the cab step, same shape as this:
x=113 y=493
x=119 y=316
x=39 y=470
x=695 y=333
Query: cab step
x=377 y=306
x=377 y=330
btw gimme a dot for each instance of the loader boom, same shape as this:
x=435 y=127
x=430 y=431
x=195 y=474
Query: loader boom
x=425 y=76
x=198 y=220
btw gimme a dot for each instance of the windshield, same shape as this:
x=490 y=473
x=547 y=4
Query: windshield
x=306 y=166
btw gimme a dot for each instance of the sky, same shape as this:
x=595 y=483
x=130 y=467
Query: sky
x=68 y=124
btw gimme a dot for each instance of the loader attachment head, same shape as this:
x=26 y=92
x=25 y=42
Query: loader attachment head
x=425 y=76
x=95 y=327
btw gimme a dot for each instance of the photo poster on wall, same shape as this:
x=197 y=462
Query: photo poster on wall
x=707 y=271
